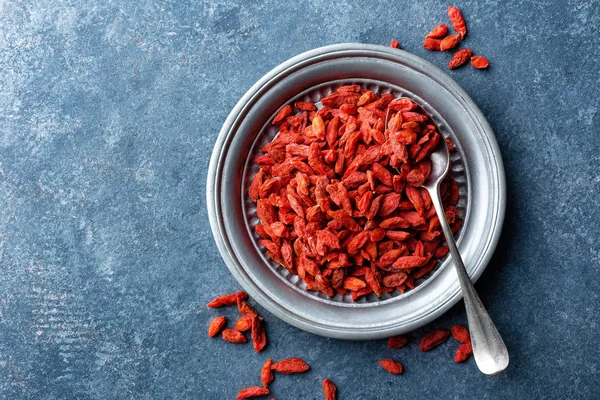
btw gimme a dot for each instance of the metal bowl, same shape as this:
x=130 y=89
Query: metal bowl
x=477 y=168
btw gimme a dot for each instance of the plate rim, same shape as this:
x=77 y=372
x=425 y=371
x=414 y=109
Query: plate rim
x=218 y=229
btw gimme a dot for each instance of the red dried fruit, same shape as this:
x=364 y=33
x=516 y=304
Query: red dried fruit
x=441 y=252
x=329 y=390
x=227 y=299
x=292 y=365
x=358 y=242
x=318 y=127
x=233 y=336
x=479 y=62
x=391 y=366
x=246 y=309
x=395 y=279
x=407 y=262
x=397 y=235
x=461 y=334
x=458 y=21
x=463 y=352
x=394 y=44
x=244 y=323
x=438 y=32
x=424 y=270
x=395 y=342
x=402 y=104
x=329 y=195
x=432 y=44
x=349 y=89
x=266 y=375
x=434 y=339
x=449 y=42
x=411 y=116
x=354 y=284
x=253 y=391
x=281 y=114
x=305 y=106
x=216 y=325
x=259 y=335
x=460 y=58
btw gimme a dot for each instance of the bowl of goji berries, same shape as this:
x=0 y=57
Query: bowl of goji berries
x=315 y=198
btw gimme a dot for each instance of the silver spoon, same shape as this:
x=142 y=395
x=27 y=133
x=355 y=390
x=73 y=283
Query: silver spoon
x=489 y=350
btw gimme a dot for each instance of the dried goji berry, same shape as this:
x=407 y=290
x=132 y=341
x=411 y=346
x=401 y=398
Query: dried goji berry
x=460 y=58
x=461 y=334
x=479 y=62
x=434 y=339
x=253 y=391
x=395 y=342
x=216 y=325
x=395 y=279
x=352 y=283
x=259 y=335
x=305 y=106
x=391 y=366
x=329 y=195
x=227 y=299
x=449 y=42
x=246 y=309
x=244 y=323
x=292 y=365
x=233 y=336
x=281 y=114
x=394 y=44
x=458 y=21
x=402 y=104
x=329 y=390
x=463 y=352
x=266 y=375
x=438 y=32
x=432 y=44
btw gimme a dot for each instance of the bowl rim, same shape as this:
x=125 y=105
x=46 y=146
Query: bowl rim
x=218 y=229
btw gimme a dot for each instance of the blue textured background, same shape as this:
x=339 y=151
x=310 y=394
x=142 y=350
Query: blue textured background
x=108 y=115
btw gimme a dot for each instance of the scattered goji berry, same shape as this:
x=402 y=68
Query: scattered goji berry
x=233 y=336
x=432 y=44
x=461 y=334
x=479 y=62
x=434 y=339
x=391 y=366
x=258 y=334
x=329 y=390
x=216 y=325
x=394 y=44
x=395 y=342
x=246 y=309
x=463 y=352
x=292 y=365
x=458 y=21
x=449 y=42
x=244 y=323
x=266 y=375
x=460 y=58
x=438 y=32
x=227 y=299
x=253 y=391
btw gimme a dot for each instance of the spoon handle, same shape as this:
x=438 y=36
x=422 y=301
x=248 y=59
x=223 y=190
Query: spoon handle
x=491 y=355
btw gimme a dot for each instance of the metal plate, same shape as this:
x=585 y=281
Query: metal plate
x=477 y=168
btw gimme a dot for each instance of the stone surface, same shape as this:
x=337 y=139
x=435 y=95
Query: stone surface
x=108 y=114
